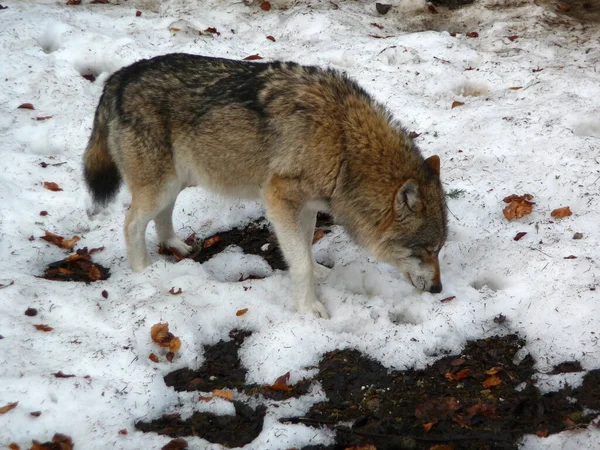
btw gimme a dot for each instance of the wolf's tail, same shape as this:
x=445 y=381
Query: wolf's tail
x=100 y=171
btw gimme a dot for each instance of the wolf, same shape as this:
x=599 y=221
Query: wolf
x=302 y=138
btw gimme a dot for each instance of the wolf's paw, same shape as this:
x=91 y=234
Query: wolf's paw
x=321 y=272
x=178 y=245
x=316 y=307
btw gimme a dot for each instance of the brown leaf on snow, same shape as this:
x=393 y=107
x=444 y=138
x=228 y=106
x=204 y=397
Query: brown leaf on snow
x=265 y=5
x=7 y=408
x=100 y=2
x=31 y=312
x=60 y=241
x=473 y=34
x=253 y=57
x=13 y=446
x=40 y=118
x=59 y=442
x=43 y=327
x=73 y=2
x=175 y=344
x=138 y=13
x=51 y=186
x=518 y=206
x=377 y=25
x=170 y=356
x=172 y=291
x=559 y=213
x=35 y=413
x=513 y=37
x=271 y=38
x=448 y=299
x=456 y=103
x=519 y=235
x=281 y=383
x=161 y=335
x=220 y=393
x=319 y=233
x=25 y=106
x=212 y=30
x=492 y=381
x=461 y=375
x=176 y=444
x=153 y=357
x=241 y=312
x=515 y=88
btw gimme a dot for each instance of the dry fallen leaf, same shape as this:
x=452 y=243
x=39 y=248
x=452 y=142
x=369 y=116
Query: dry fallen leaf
x=559 y=213
x=175 y=344
x=518 y=206
x=153 y=357
x=212 y=30
x=456 y=103
x=281 y=383
x=473 y=34
x=172 y=291
x=73 y=2
x=209 y=242
x=25 y=106
x=542 y=433
x=492 y=381
x=461 y=375
x=51 y=186
x=35 y=413
x=170 y=356
x=226 y=395
x=138 y=13
x=448 y=299
x=271 y=38
x=319 y=233
x=59 y=442
x=519 y=235
x=428 y=426
x=515 y=88
x=31 y=312
x=7 y=408
x=160 y=334
x=60 y=241
x=494 y=370
x=265 y=5
x=60 y=374
x=513 y=37
x=241 y=312
x=44 y=328
x=253 y=57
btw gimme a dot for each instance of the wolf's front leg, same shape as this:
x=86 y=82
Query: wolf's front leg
x=287 y=214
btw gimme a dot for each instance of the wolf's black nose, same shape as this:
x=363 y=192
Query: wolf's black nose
x=436 y=288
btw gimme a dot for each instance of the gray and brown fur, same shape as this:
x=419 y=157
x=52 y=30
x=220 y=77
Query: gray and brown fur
x=302 y=138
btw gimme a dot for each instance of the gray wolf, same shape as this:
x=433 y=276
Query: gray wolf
x=302 y=138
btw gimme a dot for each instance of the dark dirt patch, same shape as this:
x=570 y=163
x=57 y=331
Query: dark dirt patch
x=77 y=267
x=452 y=4
x=585 y=11
x=251 y=239
x=481 y=399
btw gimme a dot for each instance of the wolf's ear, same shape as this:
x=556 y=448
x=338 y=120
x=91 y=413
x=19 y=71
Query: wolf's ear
x=408 y=197
x=433 y=162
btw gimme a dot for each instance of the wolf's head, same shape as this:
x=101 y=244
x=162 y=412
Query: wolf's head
x=415 y=229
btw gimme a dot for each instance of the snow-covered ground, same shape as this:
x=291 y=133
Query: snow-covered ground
x=542 y=139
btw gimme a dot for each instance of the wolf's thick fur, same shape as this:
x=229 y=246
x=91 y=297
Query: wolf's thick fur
x=302 y=138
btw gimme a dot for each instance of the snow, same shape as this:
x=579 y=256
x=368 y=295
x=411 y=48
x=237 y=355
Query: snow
x=542 y=139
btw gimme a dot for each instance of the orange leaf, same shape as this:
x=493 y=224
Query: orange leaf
x=7 y=408
x=153 y=357
x=241 y=312
x=160 y=334
x=492 y=381
x=428 y=426
x=60 y=241
x=175 y=30
x=461 y=375
x=226 y=395
x=559 y=213
x=25 y=106
x=52 y=186
x=211 y=241
x=253 y=57
x=44 y=328
x=265 y=5
x=319 y=233
x=456 y=103
x=14 y=446
x=175 y=344
x=494 y=370
x=281 y=383
x=518 y=206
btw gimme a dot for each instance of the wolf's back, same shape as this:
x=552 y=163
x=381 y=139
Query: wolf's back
x=100 y=171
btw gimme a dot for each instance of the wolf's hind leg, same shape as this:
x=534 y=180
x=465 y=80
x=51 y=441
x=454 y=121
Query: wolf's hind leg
x=141 y=212
x=164 y=227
